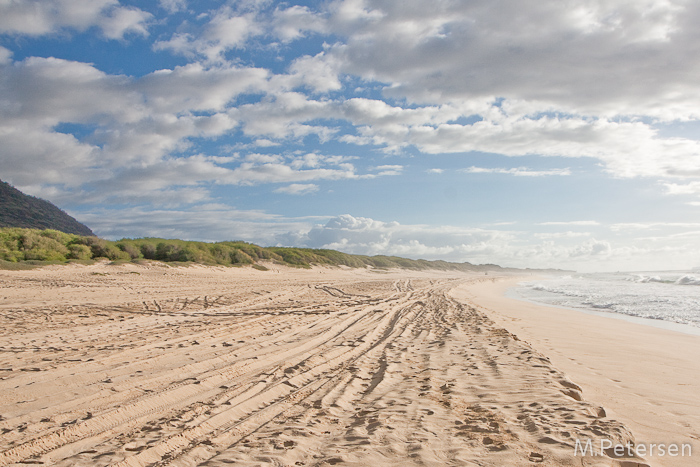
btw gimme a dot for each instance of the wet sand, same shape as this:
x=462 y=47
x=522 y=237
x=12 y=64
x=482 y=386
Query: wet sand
x=153 y=365
x=646 y=377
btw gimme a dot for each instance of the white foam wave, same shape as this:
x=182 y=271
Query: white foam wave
x=653 y=295
x=688 y=280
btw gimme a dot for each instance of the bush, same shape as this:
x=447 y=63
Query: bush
x=79 y=252
x=240 y=257
x=148 y=250
x=104 y=249
x=130 y=250
x=41 y=248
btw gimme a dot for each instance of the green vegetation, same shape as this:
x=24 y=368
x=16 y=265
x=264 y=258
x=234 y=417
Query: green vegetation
x=23 y=248
x=20 y=210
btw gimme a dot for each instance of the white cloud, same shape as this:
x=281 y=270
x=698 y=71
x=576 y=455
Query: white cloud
x=40 y=17
x=21 y=144
x=125 y=20
x=138 y=128
x=202 y=222
x=592 y=248
x=293 y=22
x=173 y=6
x=5 y=56
x=692 y=188
x=195 y=87
x=318 y=73
x=228 y=29
x=652 y=225
x=265 y=143
x=298 y=189
x=382 y=170
x=518 y=171
x=556 y=235
x=580 y=56
x=571 y=223
x=361 y=235
x=628 y=149
x=283 y=115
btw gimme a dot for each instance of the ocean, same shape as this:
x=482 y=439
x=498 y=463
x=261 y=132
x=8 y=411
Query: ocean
x=667 y=298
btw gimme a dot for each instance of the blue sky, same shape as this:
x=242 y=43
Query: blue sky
x=523 y=133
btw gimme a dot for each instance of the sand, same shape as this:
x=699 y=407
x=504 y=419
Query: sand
x=646 y=377
x=132 y=365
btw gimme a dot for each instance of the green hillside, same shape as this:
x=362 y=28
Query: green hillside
x=20 y=210
x=19 y=246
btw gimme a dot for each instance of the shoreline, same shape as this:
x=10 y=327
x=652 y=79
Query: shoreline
x=644 y=376
x=656 y=323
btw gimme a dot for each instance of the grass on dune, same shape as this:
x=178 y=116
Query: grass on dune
x=27 y=248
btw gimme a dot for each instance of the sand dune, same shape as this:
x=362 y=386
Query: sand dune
x=142 y=366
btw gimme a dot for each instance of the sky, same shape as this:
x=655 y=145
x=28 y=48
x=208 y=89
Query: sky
x=525 y=133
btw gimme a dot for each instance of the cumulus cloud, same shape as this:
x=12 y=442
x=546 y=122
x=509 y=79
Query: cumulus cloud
x=592 y=248
x=691 y=188
x=135 y=132
x=582 y=56
x=228 y=29
x=5 y=55
x=427 y=58
x=294 y=22
x=577 y=250
x=39 y=17
x=627 y=149
x=361 y=235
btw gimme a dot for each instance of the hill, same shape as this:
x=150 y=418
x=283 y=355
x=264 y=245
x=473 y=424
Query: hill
x=20 y=210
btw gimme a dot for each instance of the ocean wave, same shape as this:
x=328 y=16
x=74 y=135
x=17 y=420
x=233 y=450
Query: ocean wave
x=600 y=306
x=645 y=279
x=650 y=295
x=688 y=280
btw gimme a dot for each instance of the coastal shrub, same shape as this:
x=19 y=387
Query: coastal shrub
x=41 y=248
x=148 y=250
x=172 y=251
x=28 y=246
x=220 y=253
x=103 y=249
x=129 y=249
x=165 y=251
x=240 y=257
x=9 y=245
x=292 y=256
x=77 y=251
x=60 y=237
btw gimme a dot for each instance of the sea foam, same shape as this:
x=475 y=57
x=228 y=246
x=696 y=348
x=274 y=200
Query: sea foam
x=652 y=295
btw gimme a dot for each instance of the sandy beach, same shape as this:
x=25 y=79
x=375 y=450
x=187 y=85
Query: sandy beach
x=644 y=376
x=145 y=365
